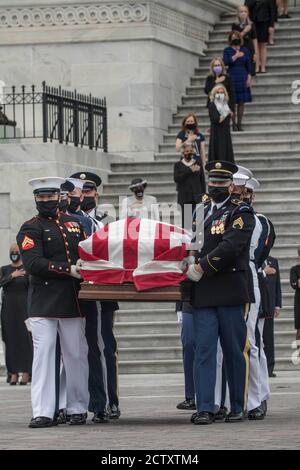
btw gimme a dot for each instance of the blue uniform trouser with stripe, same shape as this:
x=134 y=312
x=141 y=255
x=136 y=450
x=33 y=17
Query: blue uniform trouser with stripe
x=97 y=388
x=188 y=350
x=229 y=324
x=111 y=356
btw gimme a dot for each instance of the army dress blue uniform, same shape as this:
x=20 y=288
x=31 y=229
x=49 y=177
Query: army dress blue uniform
x=220 y=300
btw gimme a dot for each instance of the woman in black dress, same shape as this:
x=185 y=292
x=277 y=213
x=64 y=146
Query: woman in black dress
x=220 y=144
x=248 y=33
x=189 y=179
x=17 y=340
x=218 y=76
x=263 y=16
x=295 y=283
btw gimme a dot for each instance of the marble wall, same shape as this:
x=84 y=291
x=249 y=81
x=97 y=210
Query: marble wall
x=20 y=163
x=140 y=55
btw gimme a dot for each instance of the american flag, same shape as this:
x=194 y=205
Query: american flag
x=145 y=252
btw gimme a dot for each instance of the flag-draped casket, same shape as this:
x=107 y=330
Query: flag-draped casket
x=145 y=252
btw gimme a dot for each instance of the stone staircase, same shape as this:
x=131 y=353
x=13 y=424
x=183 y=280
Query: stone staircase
x=148 y=334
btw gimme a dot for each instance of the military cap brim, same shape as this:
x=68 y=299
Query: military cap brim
x=219 y=170
x=90 y=180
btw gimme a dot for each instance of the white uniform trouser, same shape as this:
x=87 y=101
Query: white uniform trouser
x=74 y=355
x=263 y=365
x=254 y=387
x=101 y=346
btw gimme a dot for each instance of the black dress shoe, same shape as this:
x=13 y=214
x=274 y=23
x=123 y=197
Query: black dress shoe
x=100 y=417
x=194 y=415
x=234 y=127
x=42 y=422
x=187 y=405
x=256 y=415
x=12 y=383
x=220 y=417
x=114 y=412
x=235 y=417
x=61 y=417
x=77 y=419
x=204 y=418
x=264 y=407
x=271 y=374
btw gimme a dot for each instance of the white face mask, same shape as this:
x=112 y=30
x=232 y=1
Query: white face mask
x=220 y=96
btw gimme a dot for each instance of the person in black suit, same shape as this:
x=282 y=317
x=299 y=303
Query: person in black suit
x=275 y=298
x=295 y=284
x=262 y=14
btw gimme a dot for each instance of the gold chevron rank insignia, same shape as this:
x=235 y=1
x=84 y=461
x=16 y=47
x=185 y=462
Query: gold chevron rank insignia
x=27 y=243
x=238 y=223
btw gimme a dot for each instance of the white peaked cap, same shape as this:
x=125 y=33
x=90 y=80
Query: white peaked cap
x=239 y=179
x=77 y=182
x=48 y=182
x=252 y=184
x=245 y=171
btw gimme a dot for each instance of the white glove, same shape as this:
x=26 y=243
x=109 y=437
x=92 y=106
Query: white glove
x=79 y=264
x=187 y=262
x=74 y=272
x=192 y=274
x=179 y=317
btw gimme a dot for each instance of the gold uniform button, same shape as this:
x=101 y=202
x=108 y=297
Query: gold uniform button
x=60 y=268
x=64 y=235
x=49 y=238
x=46 y=283
x=60 y=227
x=67 y=269
x=69 y=260
x=67 y=244
x=52 y=266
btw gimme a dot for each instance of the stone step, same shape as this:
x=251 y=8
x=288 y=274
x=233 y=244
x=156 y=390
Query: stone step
x=263 y=105
x=285 y=337
x=263 y=79
x=294 y=67
x=284 y=228
x=257 y=96
x=247 y=136
x=147 y=328
x=217 y=43
x=283 y=324
x=148 y=340
x=257 y=88
x=284 y=351
x=283 y=29
x=146 y=354
x=285 y=250
x=292 y=237
x=269 y=125
x=250 y=114
x=287 y=364
x=215 y=49
x=146 y=315
x=151 y=367
x=255 y=144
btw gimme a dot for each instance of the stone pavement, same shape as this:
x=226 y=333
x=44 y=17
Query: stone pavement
x=150 y=421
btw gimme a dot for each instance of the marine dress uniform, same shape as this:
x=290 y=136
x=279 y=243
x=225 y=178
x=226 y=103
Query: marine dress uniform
x=49 y=250
x=220 y=299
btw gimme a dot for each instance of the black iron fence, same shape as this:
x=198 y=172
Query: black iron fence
x=54 y=114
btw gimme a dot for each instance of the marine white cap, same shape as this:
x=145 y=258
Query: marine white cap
x=253 y=184
x=239 y=179
x=47 y=184
x=245 y=171
x=78 y=183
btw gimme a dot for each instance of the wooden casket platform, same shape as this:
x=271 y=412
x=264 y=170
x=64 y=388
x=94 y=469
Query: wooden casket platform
x=128 y=292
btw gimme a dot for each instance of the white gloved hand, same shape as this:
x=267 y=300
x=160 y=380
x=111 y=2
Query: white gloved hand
x=79 y=264
x=179 y=317
x=74 y=272
x=192 y=274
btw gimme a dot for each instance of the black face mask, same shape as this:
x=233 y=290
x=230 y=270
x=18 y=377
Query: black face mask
x=73 y=206
x=63 y=205
x=139 y=194
x=88 y=204
x=191 y=127
x=218 y=193
x=47 y=208
x=189 y=157
x=236 y=196
x=236 y=42
x=15 y=257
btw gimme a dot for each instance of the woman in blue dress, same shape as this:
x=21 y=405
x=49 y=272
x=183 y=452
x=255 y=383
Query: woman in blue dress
x=237 y=58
